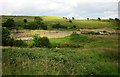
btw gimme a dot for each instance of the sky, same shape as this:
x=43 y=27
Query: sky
x=63 y=8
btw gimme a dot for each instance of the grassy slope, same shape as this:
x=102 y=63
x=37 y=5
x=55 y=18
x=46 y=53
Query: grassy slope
x=43 y=61
x=49 y=20
x=99 y=56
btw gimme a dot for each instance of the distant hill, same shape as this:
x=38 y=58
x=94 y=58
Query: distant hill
x=74 y=25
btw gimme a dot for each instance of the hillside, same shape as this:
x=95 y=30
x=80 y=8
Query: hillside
x=51 y=20
x=64 y=47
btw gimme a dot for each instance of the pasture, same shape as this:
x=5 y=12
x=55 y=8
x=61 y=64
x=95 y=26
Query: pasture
x=71 y=53
x=80 y=24
x=97 y=55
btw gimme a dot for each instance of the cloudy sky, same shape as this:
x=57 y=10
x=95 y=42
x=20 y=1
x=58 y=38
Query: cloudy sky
x=68 y=8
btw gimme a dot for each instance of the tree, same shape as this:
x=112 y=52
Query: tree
x=99 y=18
x=87 y=18
x=38 y=20
x=25 y=20
x=6 y=39
x=58 y=25
x=40 y=24
x=9 y=23
x=116 y=19
x=73 y=18
x=111 y=19
x=43 y=26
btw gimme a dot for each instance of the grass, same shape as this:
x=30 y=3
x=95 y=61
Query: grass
x=99 y=56
x=50 y=20
x=43 y=61
x=75 y=39
x=82 y=54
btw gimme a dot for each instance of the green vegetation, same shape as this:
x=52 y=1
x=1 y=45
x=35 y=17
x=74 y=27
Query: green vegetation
x=41 y=41
x=20 y=43
x=88 y=54
x=44 y=61
x=9 y=23
x=6 y=39
x=48 y=21
x=9 y=41
x=74 y=41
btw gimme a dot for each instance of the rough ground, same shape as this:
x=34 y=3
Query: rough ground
x=27 y=34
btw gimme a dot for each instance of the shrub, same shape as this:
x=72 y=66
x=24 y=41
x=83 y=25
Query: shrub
x=99 y=18
x=6 y=39
x=111 y=19
x=116 y=19
x=37 y=24
x=73 y=18
x=45 y=42
x=37 y=40
x=20 y=43
x=25 y=20
x=9 y=23
x=31 y=44
x=73 y=27
x=38 y=20
x=58 y=25
x=43 y=26
x=93 y=32
x=31 y=26
x=41 y=41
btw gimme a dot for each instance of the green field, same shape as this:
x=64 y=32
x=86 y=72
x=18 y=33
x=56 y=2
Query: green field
x=97 y=57
x=80 y=24
x=74 y=54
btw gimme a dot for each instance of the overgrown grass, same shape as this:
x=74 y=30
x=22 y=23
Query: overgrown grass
x=99 y=56
x=63 y=61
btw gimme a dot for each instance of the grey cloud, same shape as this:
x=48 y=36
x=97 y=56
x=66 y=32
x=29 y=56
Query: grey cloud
x=67 y=8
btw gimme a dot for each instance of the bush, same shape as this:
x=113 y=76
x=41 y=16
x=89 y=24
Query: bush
x=25 y=20
x=45 y=42
x=9 y=23
x=99 y=18
x=36 y=40
x=96 y=33
x=41 y=41
x=31 y=44
x=20 y=43
x=38 y=20
x=116 y=19
x=58 y=25
x=6 y=39
x=37 y=24
x=43 y=26
x=31 y=26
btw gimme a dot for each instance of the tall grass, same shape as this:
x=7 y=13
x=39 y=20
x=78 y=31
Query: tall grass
x=65 y=61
